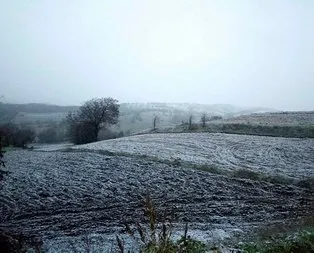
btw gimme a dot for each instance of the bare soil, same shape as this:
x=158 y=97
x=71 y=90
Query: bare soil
x=57 y=193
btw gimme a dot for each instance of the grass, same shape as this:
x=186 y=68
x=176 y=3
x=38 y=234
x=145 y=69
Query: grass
x=155 y=237
x=307 y=183
x=209 y=168
x=300 y=242
x=296 y=235
x=258 y=176
x=287 y=131
x=296 y=131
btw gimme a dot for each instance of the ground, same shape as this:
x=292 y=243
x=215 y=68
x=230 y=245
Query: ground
x=65 y=193
x=288 y=156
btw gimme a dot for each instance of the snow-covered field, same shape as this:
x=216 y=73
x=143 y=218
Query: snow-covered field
x=305 y=118
x=286 y=156
x=63 y=196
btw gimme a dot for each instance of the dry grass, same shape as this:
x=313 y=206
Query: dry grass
x=155 y=237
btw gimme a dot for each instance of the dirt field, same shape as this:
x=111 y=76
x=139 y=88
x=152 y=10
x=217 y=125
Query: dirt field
x=286 y=156
x=71 y=193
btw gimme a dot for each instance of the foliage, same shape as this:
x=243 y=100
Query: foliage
x=84 y=126
x=301 y=242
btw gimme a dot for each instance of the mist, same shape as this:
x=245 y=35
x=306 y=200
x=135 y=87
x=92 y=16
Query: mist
x=245 y=53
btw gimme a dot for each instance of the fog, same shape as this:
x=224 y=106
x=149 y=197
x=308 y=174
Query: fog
x=246 y=53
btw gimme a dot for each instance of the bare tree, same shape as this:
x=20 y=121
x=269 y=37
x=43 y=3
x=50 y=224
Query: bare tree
x=155 y=121
x=91 y=117
x=203 y=119
x=190 y=122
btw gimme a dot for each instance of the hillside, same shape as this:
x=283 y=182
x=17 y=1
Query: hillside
x=275 y=119
x=133 y=116
x=271 y=155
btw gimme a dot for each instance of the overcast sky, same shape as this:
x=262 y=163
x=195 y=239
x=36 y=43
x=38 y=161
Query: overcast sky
x=244 y=52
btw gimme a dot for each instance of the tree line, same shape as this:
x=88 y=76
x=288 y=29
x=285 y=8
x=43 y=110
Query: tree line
x=83 y=125
x=80 y=126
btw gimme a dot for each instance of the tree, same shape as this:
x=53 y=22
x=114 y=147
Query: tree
x=155 y=121
x=84 y=126
x=203 y=119
x=190 y=122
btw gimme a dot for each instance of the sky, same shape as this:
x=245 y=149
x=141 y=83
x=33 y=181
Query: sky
x=244 y=52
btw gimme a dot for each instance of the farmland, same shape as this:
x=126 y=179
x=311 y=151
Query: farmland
x=292 y=157
x=95 y=188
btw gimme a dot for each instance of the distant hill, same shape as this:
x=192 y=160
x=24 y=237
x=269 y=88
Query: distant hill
x=139 y=116
x=275 y=119
x=133 y=116
x=38 y=108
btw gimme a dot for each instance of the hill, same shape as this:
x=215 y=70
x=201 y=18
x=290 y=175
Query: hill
x=275 y=119
x=133 y=116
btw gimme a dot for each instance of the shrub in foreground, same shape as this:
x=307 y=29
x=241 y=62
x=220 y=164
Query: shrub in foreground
x=155 y=238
